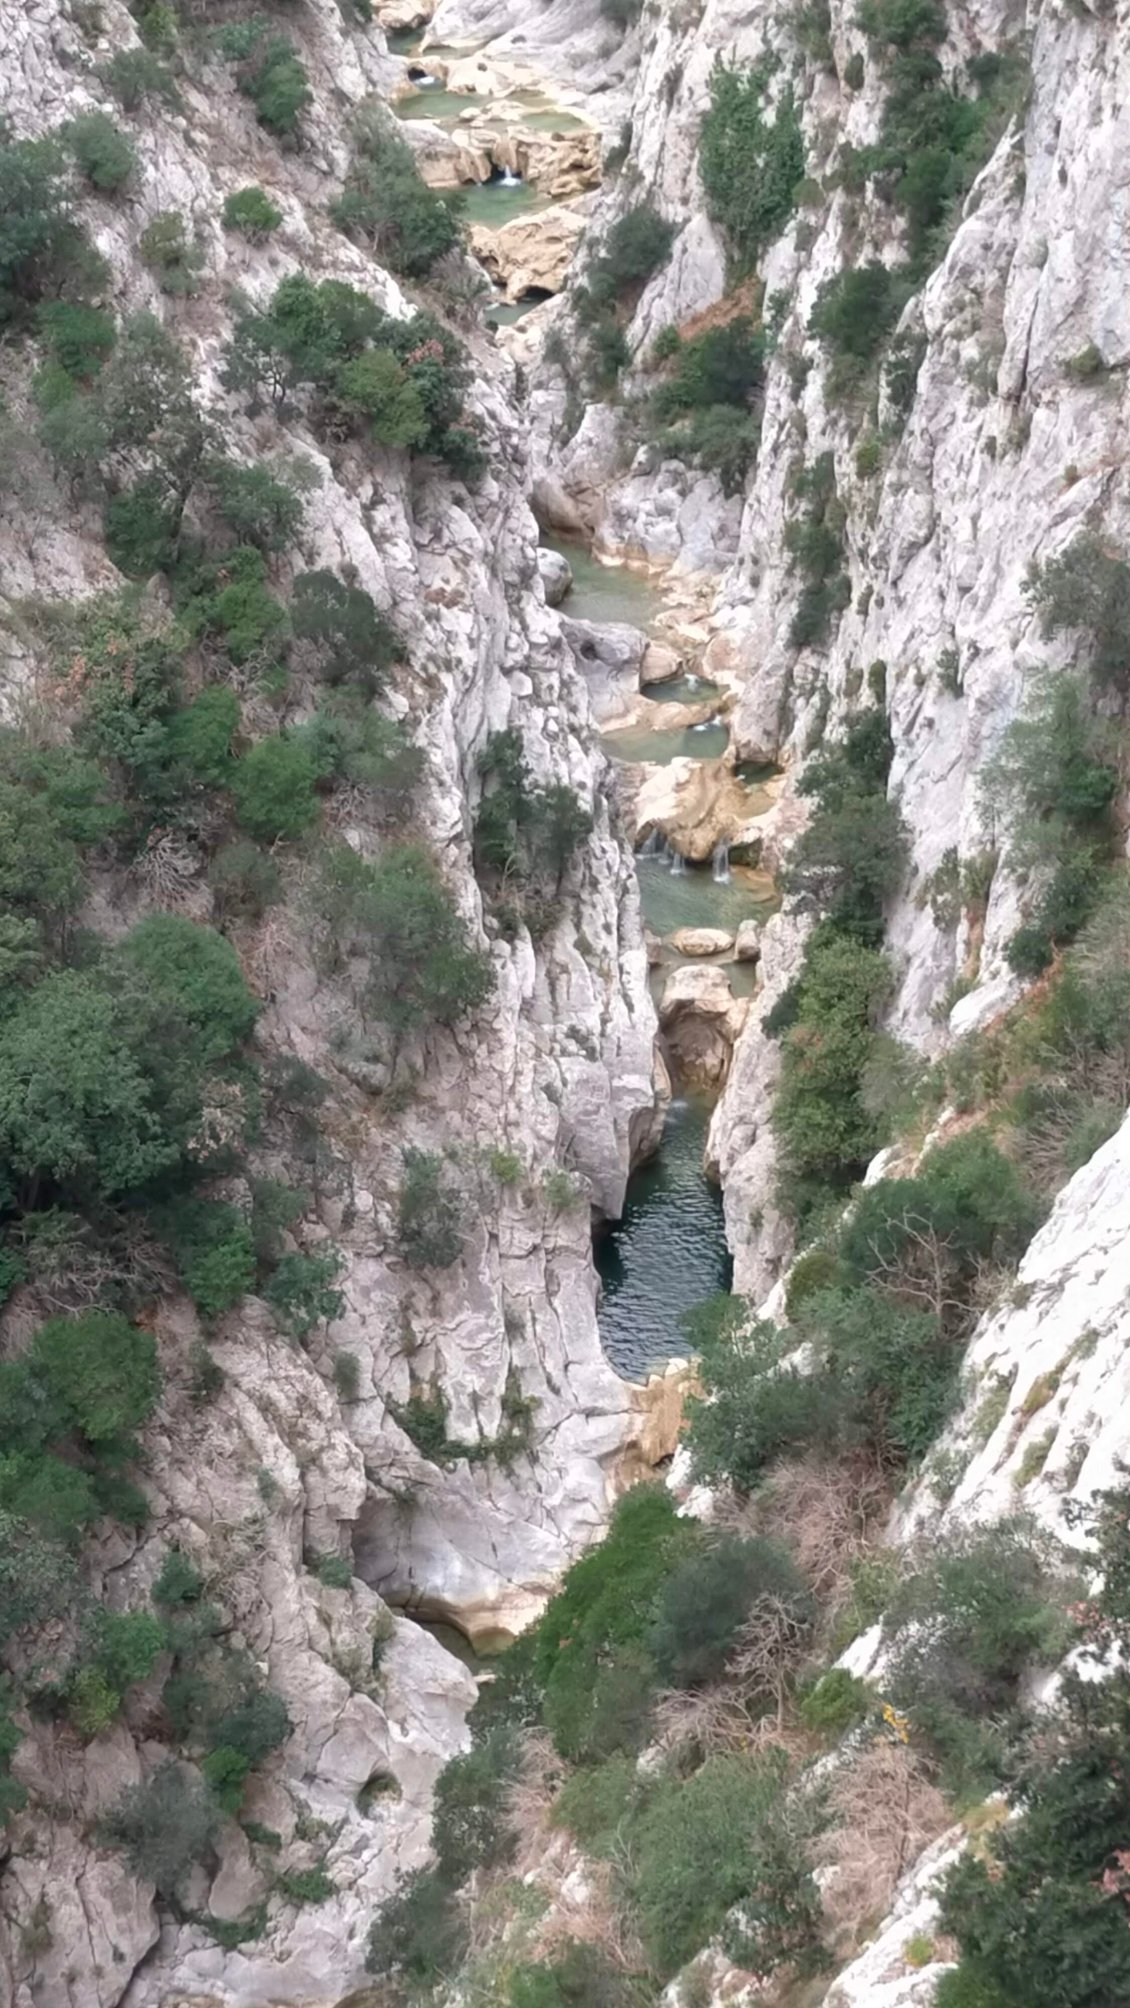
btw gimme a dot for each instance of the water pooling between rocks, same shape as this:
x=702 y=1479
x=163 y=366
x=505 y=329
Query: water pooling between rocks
x=668 y=1250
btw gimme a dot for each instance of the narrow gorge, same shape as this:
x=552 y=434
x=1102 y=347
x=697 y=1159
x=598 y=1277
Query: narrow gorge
x=564 y=984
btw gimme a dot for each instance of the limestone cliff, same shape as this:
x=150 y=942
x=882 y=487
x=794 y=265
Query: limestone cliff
x=280 y=1467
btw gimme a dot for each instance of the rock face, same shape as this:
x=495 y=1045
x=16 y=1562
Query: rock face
x=280 y=1466
x=701 y=1020
x=530 y=253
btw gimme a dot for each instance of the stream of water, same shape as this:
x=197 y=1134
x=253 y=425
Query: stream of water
x=667 y=1252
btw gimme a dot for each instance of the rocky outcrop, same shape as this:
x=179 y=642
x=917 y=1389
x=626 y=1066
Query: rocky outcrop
x=701 y=1021
x=530 y=253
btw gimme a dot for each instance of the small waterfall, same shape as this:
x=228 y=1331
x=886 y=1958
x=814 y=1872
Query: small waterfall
x=425 y=81
x=508 y=180
x=652 y=846
x=691 y=680
x=678 y=862
x=708 y=724
x=720 y=865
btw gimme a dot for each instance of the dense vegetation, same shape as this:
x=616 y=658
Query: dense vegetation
x=749 y=165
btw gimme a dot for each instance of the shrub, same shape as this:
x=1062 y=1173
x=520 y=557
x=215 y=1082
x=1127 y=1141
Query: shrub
x=259 y=505
x=301 y=1292
x=178 y=1582
x=1086 y=591
x=275 y=788
x=175 y=259
x=850 y=859
x=200 y=736
x=270 y=73
x=706 y=1600
x=595 y=1801
x=228 y=600
x=399 y=912
x=834 y=1703
x=589 y=1652
x=388 y=205
x=721 y=1839
x=637 y=244
x=525 y=836
x=310 y=335
x=135 y=76
x=244 y=880
x=430 y=1213
x=37 y=229
x=757 y=1405
x=749 y=168
x=103 y=154
x=814 y=541
x=1043 y=1895
x=163 y=1826
x=199 y=975
x=852 y=316
x=471 y=1827
x=348 y=640
x=215 y=1256
x=420 y=1934
x=78 y=338
x=825 y=1132
x=306 y=1885
x=140 y=526
x=252 y=213
x=965 y=1628
x=722 y=366
x=1054 y=777
x=99 y=1372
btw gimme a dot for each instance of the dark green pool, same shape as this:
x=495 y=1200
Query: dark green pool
x=667 y=1253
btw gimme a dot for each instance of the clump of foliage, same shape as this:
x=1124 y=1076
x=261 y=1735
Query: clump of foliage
x=401 y=382
x=430 y=1214
x=965 y=1628
x=1085 y=591
x=269 y=71
x=399 y=914
x=636 y=246
x=348 y=640
x=44 y=252
x=101 y=151
x=388 y=206
x=171 y=253
x=814 y=541
x=252 y=213
x=1038 y=1910
x=848 y=861
x=749 y=167
x=164 y=1826
x=853 y=314
x=136 y=77
x=934 y=137
x=1054 y=776
x=275 y=787
x=525 y=835
x=708 y=408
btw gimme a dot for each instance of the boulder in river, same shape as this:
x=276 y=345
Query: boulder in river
x=701 y=1021
x=556 y=574
x=702 y=941
x=747 y=941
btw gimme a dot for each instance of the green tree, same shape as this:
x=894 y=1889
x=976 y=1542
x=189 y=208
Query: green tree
x=99 y=1370
x=275 y=786
x=348 y=639
x=422 y=970
x=749 y=167
x=163 y=1826
x=102 y=152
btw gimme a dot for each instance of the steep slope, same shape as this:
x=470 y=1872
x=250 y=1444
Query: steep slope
x=286 y=1458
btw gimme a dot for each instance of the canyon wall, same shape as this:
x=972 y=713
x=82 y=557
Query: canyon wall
x=280 y=1466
